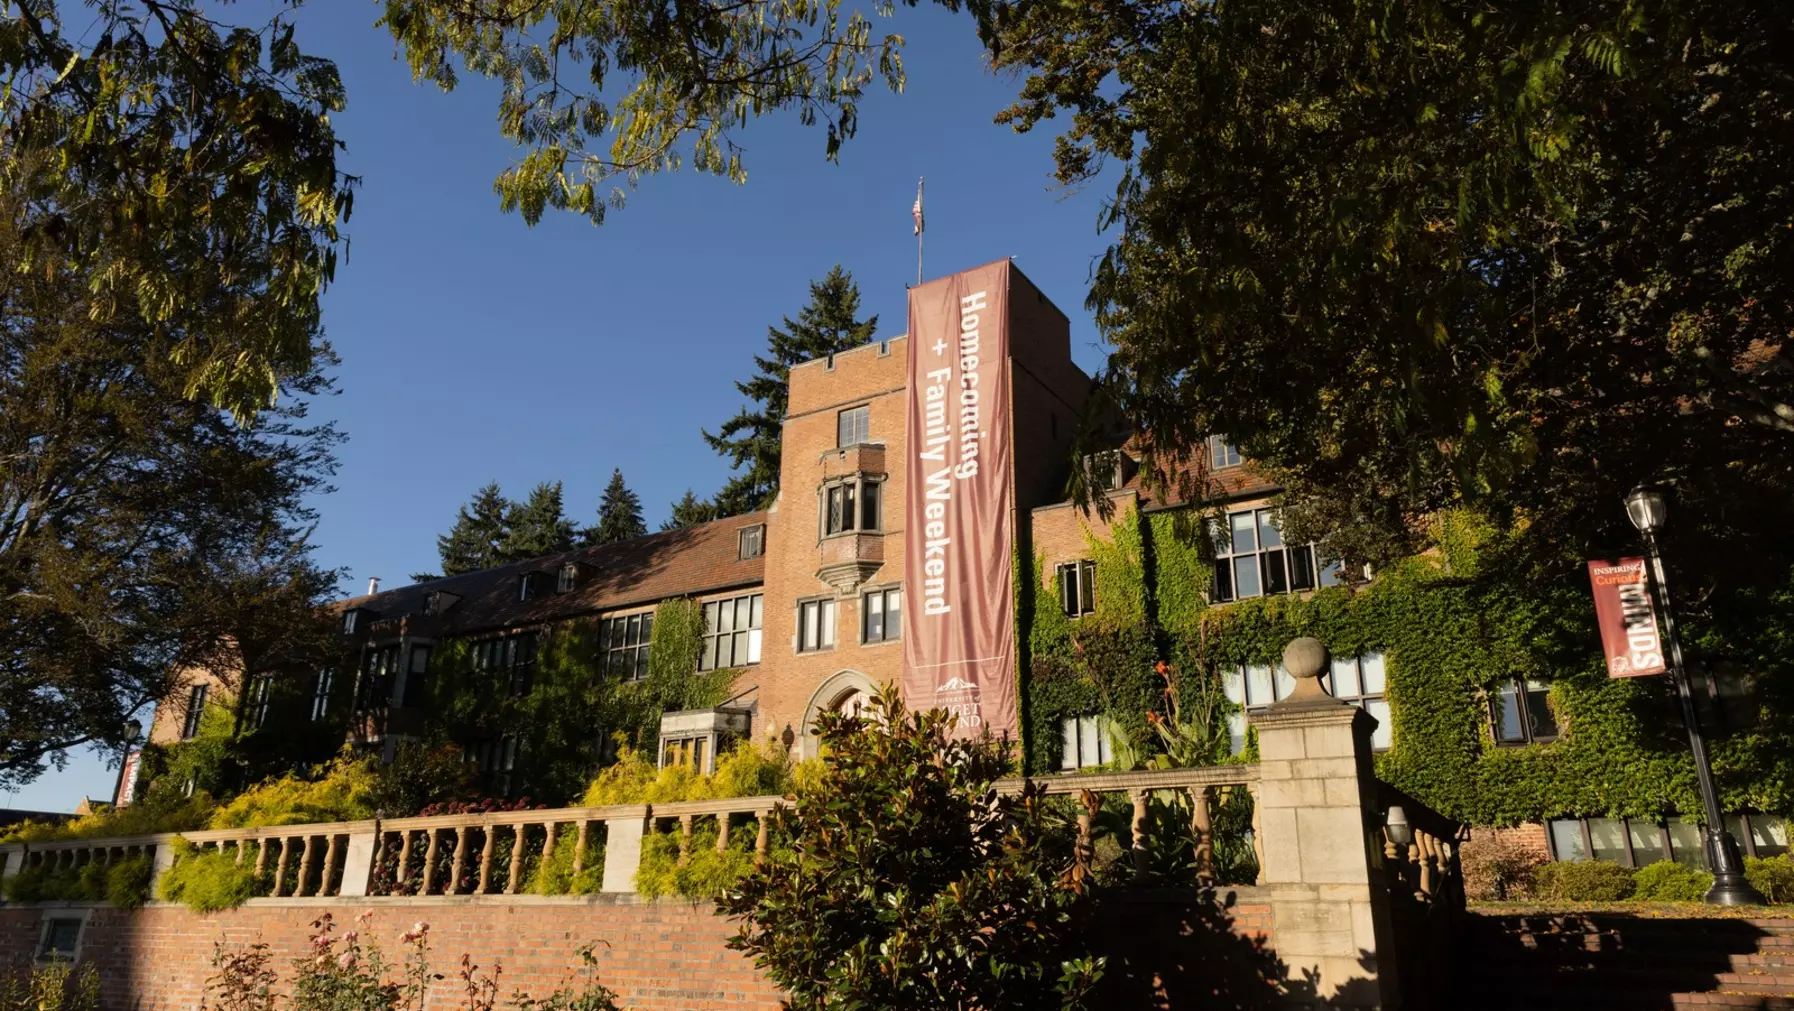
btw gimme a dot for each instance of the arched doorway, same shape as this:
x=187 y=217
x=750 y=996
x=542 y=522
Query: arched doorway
x=846 y=691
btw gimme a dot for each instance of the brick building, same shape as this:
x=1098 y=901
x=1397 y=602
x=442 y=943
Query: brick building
x=803 y=603
x=803 y=600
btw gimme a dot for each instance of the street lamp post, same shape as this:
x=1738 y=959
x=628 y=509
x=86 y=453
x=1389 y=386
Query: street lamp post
x=1648 y=511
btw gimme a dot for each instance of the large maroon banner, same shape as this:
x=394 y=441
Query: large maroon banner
x=1628 y=620
x=959 y=520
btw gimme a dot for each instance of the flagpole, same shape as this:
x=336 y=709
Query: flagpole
x=920 y=228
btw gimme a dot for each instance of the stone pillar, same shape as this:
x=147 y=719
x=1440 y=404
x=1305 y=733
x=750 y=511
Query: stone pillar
x=623 y=850
x=1321 y=866
x=358 y=862
x=160 y=864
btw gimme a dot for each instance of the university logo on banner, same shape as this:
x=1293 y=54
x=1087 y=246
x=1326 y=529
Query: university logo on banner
x=1628 y=620
x=959 y=518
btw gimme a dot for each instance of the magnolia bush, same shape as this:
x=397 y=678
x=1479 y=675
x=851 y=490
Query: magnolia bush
x=902 y=880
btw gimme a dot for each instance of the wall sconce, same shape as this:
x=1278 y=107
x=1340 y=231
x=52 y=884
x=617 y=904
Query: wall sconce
x=1395 y=823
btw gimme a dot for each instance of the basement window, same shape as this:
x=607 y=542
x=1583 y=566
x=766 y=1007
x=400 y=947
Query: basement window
x=61 y=939
x=1639 y=842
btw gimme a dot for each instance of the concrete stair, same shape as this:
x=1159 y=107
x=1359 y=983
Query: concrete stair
x=1614 y=961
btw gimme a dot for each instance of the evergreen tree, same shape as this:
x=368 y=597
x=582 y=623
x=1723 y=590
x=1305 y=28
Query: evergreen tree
x=619 y=514
x=750 y=440
x=689 y=512
x=478 y=538
x=538 y=526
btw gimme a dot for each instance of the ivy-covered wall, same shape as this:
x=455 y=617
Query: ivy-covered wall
x=571 y=712
x=1452 y=625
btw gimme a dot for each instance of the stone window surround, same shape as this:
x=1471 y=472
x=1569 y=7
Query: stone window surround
x=826 y=603
x=860 y=622
x=860 y=480
x=827 y=696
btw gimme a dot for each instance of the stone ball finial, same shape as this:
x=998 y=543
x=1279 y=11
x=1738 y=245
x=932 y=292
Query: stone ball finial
x=1305 y=658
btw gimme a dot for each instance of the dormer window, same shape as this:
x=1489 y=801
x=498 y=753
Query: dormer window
x=526 y=586
x=1221 y=454
x=752 y=542
x=351 y=620
x=567 y=579
x=439 y=601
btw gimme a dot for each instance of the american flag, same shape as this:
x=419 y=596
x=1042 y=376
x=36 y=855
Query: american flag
x=916 y=211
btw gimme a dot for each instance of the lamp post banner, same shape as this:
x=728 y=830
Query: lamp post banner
x=959 y=517
x=127 y=779
x=1628 y=620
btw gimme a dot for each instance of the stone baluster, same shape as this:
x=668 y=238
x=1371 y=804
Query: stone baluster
x=550 y=830
x=762 y=839
x=1138 y=830
x=280 y=865
x=459 y=866
x=240 y=854
x=1429 y=853
x=1202 y=829
x=378 y=855
x=308 y=861
x=261 y=856
x=332 y=849
x=516 y=878
x=404 y=861
x=1085 y=850
x=430 y=851
x=722 y=832
x=684 y=838
x=579 y=852
x=486 y=854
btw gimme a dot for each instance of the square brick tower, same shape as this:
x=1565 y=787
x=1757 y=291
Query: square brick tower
x=835 y=551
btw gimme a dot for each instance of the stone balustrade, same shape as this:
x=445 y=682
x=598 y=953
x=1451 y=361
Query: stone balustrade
x=487 y=853
x=1340 y=874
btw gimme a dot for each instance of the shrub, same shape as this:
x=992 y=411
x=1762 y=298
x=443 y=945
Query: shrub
x=744 y=771
x=705 y=874
x=128 y=882
x=49 y=986
x=422 y=774
x=1773 y=876
x=210 y=880
x=124 y=884
x=909 y=885
x=590 y=994
x=1582 y=881
x=554 y=876
x=156 y=813
x=344 y=792
x=1668 y=881
x=1498 y=868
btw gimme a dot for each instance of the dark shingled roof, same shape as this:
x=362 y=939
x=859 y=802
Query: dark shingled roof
x=695 y=560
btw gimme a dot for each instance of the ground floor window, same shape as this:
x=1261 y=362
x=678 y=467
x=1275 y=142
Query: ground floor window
x=1636 y=842
x=1084 y=742
x=1520 y=711
x=686 y=751
x=1359 y=680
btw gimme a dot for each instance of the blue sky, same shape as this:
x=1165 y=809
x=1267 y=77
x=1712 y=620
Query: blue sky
x=477 y=349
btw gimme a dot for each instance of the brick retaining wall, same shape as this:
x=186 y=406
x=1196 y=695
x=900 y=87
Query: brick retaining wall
x=659 y=955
